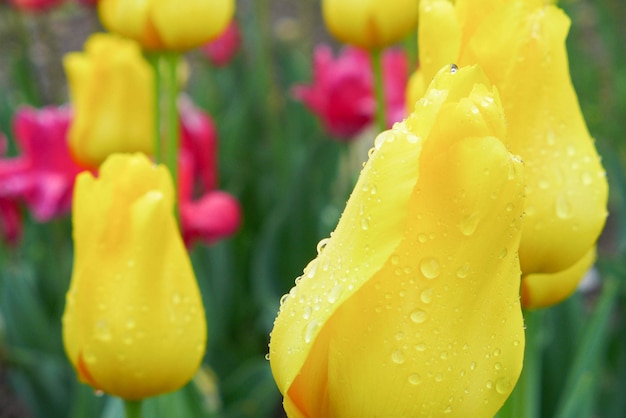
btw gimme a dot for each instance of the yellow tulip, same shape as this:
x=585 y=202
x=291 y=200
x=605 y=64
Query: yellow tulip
x=111 y=89
x=521 y=47
x=370 y=23
x=134 y=323
x=167 y=24
x=411 y=307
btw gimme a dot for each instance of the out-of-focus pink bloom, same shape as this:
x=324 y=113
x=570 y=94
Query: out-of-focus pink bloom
x=43 y=174
x=221 y=50
x=342 y=93
x=10 y=218
x=35 y=5
x=207 y=214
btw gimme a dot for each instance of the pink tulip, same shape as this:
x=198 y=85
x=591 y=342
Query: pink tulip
x=35 y=5
x=207 y=214
x=43 y=174
x=342 y=93
x=221 y=50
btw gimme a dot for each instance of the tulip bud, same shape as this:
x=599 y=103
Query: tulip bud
x=134 y=324
x=370 y=24
x=521 y=47
x=167 y=24
x=411 y=307
x=111 y=89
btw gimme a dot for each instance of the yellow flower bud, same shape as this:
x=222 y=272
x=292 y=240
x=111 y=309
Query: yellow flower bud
x=521 y=47
x=112 y=94
x=370 y=23
x=411 y=307
x=134 y=323
x=167 y=24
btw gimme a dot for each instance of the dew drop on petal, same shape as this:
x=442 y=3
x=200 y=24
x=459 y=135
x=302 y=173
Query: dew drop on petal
x=430 y=268
x=469 y=223
x=418 y=316
x=335 y=293
x=461 y=273
x=415 y=379
x=563 y=207
x=310 y=330
x=503 y=385
x=397 y=357
x=426 y=296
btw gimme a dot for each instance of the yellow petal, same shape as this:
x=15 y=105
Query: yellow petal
x=370 y=23
x=542 y=290
x=411 y=308
x=523 y=52
x=111 y=88
x=132 y=286
x=189 y=26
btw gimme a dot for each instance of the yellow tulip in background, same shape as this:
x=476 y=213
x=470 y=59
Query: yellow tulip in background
x=111 y=90
x=134 y=323
x=370 y=23
x=521 y=47
x=171 y=25
x=411 y=307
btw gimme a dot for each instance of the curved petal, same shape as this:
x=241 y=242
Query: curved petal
x=392 y=317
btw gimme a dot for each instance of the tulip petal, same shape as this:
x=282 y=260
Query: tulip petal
x=412 y=307
x=132 y=285
x=567 y=190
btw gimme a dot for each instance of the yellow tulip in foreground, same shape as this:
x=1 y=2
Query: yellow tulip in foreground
x=370 y=23
x=111 y=89
x=172 y=25
x=521 y=46
x=134 y=323
x=411 y=307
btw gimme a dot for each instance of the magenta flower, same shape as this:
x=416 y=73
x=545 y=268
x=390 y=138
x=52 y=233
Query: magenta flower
x=207 y=214
x=35 y=5
x=43 y=174
x=221 y=50
x=342 y=93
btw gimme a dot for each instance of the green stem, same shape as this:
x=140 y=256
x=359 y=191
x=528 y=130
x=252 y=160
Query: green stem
x=379 y=88
x=132 y=408
x=170 y=113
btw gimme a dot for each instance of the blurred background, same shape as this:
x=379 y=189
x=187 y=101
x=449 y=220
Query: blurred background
x=292 y=178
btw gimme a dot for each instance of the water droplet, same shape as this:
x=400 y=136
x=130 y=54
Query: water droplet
x=103 y=333
x=453 y=68
x=395 y=260
x=543 y=184
x=426 y=296
x=98 y=393
x=461 y=273
x=497 y=366
x=283 y=299
x=415 y=379
x=307 y=312
x=503 y=253
x=321 y=245
x=90 y=358
x=472 y=365
x=131 y=263
x=444 y=355
x=586 y=178
x=373 y=190
x=397 y=357
x=310 y=330
x=563 y=207
x=335 y=293
x=496 y=352
x=438 y=377
x=515 y=343
x=176 y=299
x=130 y=323
x=489 y=384
x=267 y=356
x=430 y=268
x=365 y=224
x=503 y=385
x=448 y=409
x=421 y=347
x=422 y=238
x=418 y=316
x=469 y=223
